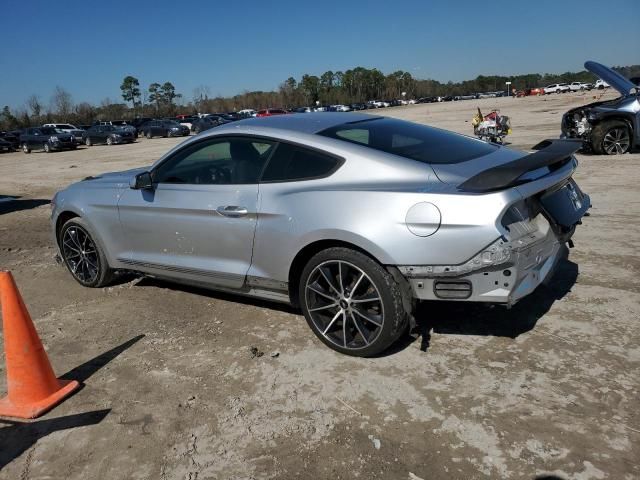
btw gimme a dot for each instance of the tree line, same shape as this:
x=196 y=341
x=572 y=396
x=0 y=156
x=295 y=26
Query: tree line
x=342 y=87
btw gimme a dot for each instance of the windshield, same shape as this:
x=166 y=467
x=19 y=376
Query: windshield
x=410 y=140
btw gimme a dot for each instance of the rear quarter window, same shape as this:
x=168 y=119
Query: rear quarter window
x=291 y=162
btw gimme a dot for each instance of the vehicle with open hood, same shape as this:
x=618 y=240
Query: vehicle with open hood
x=610 y=127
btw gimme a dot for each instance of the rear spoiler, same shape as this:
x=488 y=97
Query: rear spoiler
x=551 y=153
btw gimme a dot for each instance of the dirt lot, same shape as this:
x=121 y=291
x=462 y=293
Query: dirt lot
x=173 y=391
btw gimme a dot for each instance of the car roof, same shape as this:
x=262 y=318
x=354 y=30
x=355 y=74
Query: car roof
x=305 y=122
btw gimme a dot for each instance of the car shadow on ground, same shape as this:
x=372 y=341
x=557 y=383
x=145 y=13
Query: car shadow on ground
x=219 y=295
x=456 y=318
x=462 y=318
x=15 y=204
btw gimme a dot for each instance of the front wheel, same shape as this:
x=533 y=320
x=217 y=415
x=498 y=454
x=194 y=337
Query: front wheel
x=611 y=138
x=149 y=134
x=82 y=255
x=47 y=147
x=87 y=142
x=25 y=148
x=351 y=303
x=109 y=141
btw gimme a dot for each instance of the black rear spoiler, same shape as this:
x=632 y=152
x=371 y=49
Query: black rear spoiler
x=551 y=153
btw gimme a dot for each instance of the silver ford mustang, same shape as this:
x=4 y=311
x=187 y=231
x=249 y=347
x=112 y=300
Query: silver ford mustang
x=350 y=217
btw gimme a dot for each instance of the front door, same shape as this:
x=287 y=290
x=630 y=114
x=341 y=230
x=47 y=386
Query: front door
x=198 y=221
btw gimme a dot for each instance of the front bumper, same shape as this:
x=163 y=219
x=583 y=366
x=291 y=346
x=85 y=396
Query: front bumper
x=121 y=140
x=59 y=146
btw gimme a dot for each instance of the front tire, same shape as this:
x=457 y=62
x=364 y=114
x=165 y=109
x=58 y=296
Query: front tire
x=25 y=148
x=149 y=135
x=87 y=142
x=611 y=137
x=109 y=141
x=47 y=147
x=82 y=255
x=351 y=302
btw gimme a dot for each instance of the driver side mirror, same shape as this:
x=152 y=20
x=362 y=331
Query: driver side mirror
x=142 y=181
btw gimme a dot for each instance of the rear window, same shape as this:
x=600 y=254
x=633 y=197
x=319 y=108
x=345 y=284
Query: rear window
x=409 y=140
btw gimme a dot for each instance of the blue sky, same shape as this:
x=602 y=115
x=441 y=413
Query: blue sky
x=88 y=47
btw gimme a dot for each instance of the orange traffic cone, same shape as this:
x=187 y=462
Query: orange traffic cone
x=33 y=387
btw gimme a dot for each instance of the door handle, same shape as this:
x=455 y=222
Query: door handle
x=232 y=211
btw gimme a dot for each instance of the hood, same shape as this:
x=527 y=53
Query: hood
x=117 y=177
x=613 y=78
x=457 y=173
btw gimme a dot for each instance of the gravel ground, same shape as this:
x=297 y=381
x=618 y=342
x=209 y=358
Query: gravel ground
x=182 y=383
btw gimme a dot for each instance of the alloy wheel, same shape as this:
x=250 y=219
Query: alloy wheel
x=80 y=254
x=344 y=304
x=616 y=141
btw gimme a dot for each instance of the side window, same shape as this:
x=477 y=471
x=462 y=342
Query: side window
x=224 y=161
x=290 y=162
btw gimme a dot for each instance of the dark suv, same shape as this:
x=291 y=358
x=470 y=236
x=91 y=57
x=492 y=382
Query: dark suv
x=47 y=139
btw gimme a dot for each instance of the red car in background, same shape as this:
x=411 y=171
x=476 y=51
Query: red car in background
x=268 y=112
x=530 y=91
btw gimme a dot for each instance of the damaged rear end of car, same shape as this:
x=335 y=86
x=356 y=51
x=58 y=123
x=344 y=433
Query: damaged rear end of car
x=537 y=206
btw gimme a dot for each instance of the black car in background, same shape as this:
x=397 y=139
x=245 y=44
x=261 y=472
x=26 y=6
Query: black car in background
x=137 y=123
x=6 y=146
x=46 y=138
x=11 y=138
x=107 y=134
x=164 y=128
x=358 y=106
x=208 y=122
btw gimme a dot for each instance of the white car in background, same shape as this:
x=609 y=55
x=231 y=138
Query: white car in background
x=556 y=88
x=601 y=84
x=578 y=86
x=247 y=112
x=342 y=108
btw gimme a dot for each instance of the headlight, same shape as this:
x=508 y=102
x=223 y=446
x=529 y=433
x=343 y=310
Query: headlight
x=497 y=253
x=592 y=115
x=54 y=139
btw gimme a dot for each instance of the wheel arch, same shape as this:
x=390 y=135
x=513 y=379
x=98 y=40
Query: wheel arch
x=63 y=218
x=619 y=116
x=308 y=251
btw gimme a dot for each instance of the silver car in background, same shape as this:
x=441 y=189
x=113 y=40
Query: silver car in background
x=350 y=217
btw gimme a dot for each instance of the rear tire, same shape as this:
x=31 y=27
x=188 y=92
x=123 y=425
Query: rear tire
x=149 y=134
x=109 y=141
x=351 y=303
x=25 y=148
x=611 y=137
x=82 y=255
